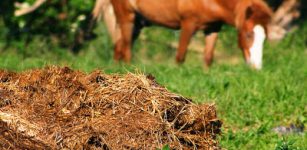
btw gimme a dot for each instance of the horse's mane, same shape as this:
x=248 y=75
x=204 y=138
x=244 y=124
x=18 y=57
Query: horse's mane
x=263 y=12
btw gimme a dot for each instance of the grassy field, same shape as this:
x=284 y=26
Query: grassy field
x=250 y=103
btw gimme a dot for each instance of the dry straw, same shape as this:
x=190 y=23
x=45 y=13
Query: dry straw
x=58 y=108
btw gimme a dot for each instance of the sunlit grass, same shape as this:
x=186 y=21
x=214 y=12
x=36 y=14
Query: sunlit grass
x=249 y=102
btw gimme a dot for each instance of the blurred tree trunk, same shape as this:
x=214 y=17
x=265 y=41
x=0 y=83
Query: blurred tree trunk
x=283 y=18
x=27 y=10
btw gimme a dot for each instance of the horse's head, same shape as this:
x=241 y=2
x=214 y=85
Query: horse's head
x=252 y=18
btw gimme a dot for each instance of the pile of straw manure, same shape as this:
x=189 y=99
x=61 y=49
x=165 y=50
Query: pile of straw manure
x=59 y=108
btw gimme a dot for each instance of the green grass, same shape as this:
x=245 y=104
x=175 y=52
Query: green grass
x=250 y=103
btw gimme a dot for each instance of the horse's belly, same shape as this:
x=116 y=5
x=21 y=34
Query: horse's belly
x=163 y=21
x=160 y=12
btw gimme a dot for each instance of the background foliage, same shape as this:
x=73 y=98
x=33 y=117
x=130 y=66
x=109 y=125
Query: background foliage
x=65 y=23
x=62 y=22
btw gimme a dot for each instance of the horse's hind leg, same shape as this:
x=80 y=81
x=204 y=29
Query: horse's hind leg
x=117 y=50
x=127 y=30
x=125 y=19
x=122 y=49
x=187 y=30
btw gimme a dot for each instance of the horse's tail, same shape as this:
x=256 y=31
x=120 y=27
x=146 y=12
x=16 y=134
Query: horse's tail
x=105 y=8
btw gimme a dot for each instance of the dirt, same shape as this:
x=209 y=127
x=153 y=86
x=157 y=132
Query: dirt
x=59 y=108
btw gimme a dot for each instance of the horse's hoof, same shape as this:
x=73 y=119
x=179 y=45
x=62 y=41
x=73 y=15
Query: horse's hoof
x=127 y=61
x=179 y=60
x=208 y=61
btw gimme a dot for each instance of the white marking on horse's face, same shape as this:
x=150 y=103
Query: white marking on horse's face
x=257 y=47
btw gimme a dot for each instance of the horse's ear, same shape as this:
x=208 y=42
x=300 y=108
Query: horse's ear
x=249 y=12
x=243 y=12
x=252 y=9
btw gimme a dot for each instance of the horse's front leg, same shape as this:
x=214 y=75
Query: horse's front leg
x=188 y=28
x=210 y=40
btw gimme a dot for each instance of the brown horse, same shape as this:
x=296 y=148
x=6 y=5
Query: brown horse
x=250 y=17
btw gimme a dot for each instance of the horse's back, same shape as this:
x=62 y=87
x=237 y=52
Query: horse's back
x=171 y=14
x=159 y=12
